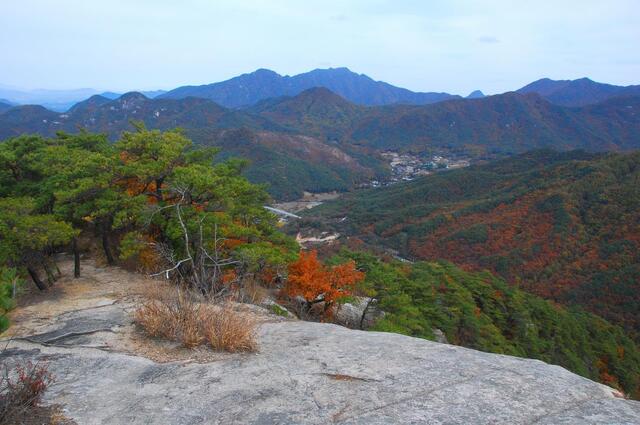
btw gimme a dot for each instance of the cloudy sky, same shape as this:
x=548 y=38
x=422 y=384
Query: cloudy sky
x=424 y=45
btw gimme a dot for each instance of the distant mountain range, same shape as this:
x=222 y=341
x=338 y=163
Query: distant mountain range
x=319 y=141
x=579 y=92
x=507 y=123
x=55 y=100
x=249 y=89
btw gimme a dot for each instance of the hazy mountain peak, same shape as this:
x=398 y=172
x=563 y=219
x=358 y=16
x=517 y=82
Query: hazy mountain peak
x=96 y=98
x=476 y=94
x=92 y=103
x=543 y=86
x=320 y=92
x=133 y=95
x=260 y=72
x=336 y=71
x=313 y=101
x=263 y=71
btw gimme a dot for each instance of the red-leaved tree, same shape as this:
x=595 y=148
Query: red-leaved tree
x=317 y=283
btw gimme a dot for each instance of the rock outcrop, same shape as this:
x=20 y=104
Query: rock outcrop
x=360 y=313
x=310 y=373
x=304 y=373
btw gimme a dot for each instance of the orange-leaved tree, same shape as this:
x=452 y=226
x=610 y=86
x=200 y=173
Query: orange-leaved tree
x=316 y=283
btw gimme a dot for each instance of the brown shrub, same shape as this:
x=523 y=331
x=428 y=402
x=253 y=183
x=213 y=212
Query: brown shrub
x=170 y=313
x=179 y=315
x=154 y=318
x=189 y=322
x=155 y=314
x=228 y=330
x=21 y=395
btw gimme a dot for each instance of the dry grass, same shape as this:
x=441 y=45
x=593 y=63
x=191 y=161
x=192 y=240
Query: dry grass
x=228 y=330
x=177 y=314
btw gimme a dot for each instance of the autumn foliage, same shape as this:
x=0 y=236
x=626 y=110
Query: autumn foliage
x=564 y=226
x=21 y=394
x=315 y=282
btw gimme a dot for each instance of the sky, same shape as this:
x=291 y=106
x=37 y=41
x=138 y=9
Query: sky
x=454 y=46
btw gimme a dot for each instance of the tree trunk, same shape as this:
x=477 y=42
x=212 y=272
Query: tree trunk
x=159 y=188
x=76 y=258
x=106 y=247
x=34 y=276
x=58 y=272
x=50 y=278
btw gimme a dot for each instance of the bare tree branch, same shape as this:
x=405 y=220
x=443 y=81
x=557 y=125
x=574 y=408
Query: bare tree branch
x=166 y=272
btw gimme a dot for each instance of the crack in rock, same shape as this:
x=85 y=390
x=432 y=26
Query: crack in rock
x=41 y=339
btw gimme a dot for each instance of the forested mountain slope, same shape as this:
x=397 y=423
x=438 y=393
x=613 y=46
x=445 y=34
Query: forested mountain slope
x=316 y=111
x=565 y=226
x=508 y=123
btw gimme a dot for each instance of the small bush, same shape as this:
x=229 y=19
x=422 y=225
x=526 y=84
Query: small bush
x=155 y=319
x=170 y=313
x=228 y=330
x=178 y=315
x=21 y=391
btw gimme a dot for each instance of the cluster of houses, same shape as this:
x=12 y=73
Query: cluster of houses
x=405 y=167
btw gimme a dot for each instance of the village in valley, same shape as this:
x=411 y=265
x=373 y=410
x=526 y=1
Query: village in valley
x=407 y=166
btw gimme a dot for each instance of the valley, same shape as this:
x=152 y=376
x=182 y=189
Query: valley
x=561 y=225
x=403 y=167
